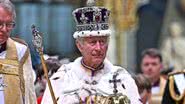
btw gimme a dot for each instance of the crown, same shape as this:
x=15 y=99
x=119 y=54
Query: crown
x=91 y=18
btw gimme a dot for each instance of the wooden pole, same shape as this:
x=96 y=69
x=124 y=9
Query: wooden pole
x=37 y=42
x=47 y=78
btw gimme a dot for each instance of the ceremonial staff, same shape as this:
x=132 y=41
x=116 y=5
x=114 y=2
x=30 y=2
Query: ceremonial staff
x=37 y=42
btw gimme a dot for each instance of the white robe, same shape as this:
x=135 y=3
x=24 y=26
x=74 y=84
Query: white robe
x=72 y=80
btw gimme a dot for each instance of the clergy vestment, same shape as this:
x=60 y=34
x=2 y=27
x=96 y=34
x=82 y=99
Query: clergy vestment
x=157 y=91
x=16 y=74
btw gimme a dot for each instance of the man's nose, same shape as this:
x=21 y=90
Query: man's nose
x=97 y=46
x=150 y=67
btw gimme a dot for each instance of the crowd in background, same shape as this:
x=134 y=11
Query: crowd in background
x=52 y=64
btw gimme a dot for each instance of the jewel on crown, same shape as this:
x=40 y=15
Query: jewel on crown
x=91 y=18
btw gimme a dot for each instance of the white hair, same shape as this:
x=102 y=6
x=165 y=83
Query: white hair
x=7 y=4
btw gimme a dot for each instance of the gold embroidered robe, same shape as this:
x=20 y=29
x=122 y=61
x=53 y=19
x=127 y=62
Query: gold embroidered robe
x=17 y=75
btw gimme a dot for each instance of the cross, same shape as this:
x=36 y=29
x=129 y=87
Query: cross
x=115 y=81
x=83 y=18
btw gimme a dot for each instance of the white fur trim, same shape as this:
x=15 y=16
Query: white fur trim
x=91 y=33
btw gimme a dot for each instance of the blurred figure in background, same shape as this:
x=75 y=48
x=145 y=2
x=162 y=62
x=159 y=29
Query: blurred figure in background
x=52 y=65
x=151 y=65
x=144 y=87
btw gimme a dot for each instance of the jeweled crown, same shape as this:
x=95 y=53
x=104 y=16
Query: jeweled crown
x=91 y=18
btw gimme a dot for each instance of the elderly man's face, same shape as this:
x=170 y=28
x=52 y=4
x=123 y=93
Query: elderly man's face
x=93 y=50
x=6 y=20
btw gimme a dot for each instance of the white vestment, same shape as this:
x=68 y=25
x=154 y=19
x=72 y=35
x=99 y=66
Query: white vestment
x=29 y=96
x=72 y=82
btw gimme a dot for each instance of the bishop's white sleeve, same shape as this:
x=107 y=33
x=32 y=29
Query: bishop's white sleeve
x=30 y=96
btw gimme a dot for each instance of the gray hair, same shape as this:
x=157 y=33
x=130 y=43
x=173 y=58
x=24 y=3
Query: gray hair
x=7 y=4
x=80 y=40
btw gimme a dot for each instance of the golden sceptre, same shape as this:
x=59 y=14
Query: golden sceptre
x=37 y=42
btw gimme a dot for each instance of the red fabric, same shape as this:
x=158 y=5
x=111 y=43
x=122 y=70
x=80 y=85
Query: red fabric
x=39 y=99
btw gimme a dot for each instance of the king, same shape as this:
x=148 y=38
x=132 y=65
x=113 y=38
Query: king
x=92 y=78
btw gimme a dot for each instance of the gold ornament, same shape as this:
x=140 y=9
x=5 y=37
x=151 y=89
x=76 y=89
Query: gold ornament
x=173 y=94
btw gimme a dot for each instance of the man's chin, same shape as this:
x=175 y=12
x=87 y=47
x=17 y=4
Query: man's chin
x=98 y=61
x=2 y=41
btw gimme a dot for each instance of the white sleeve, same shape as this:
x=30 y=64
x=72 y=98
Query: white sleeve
x=30 y=96
x=21 y=50
x=132 y=90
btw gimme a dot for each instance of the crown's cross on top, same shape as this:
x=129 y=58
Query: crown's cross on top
x=83 y=18
x=91 y=3
x=115 y=81
x=37 y=39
